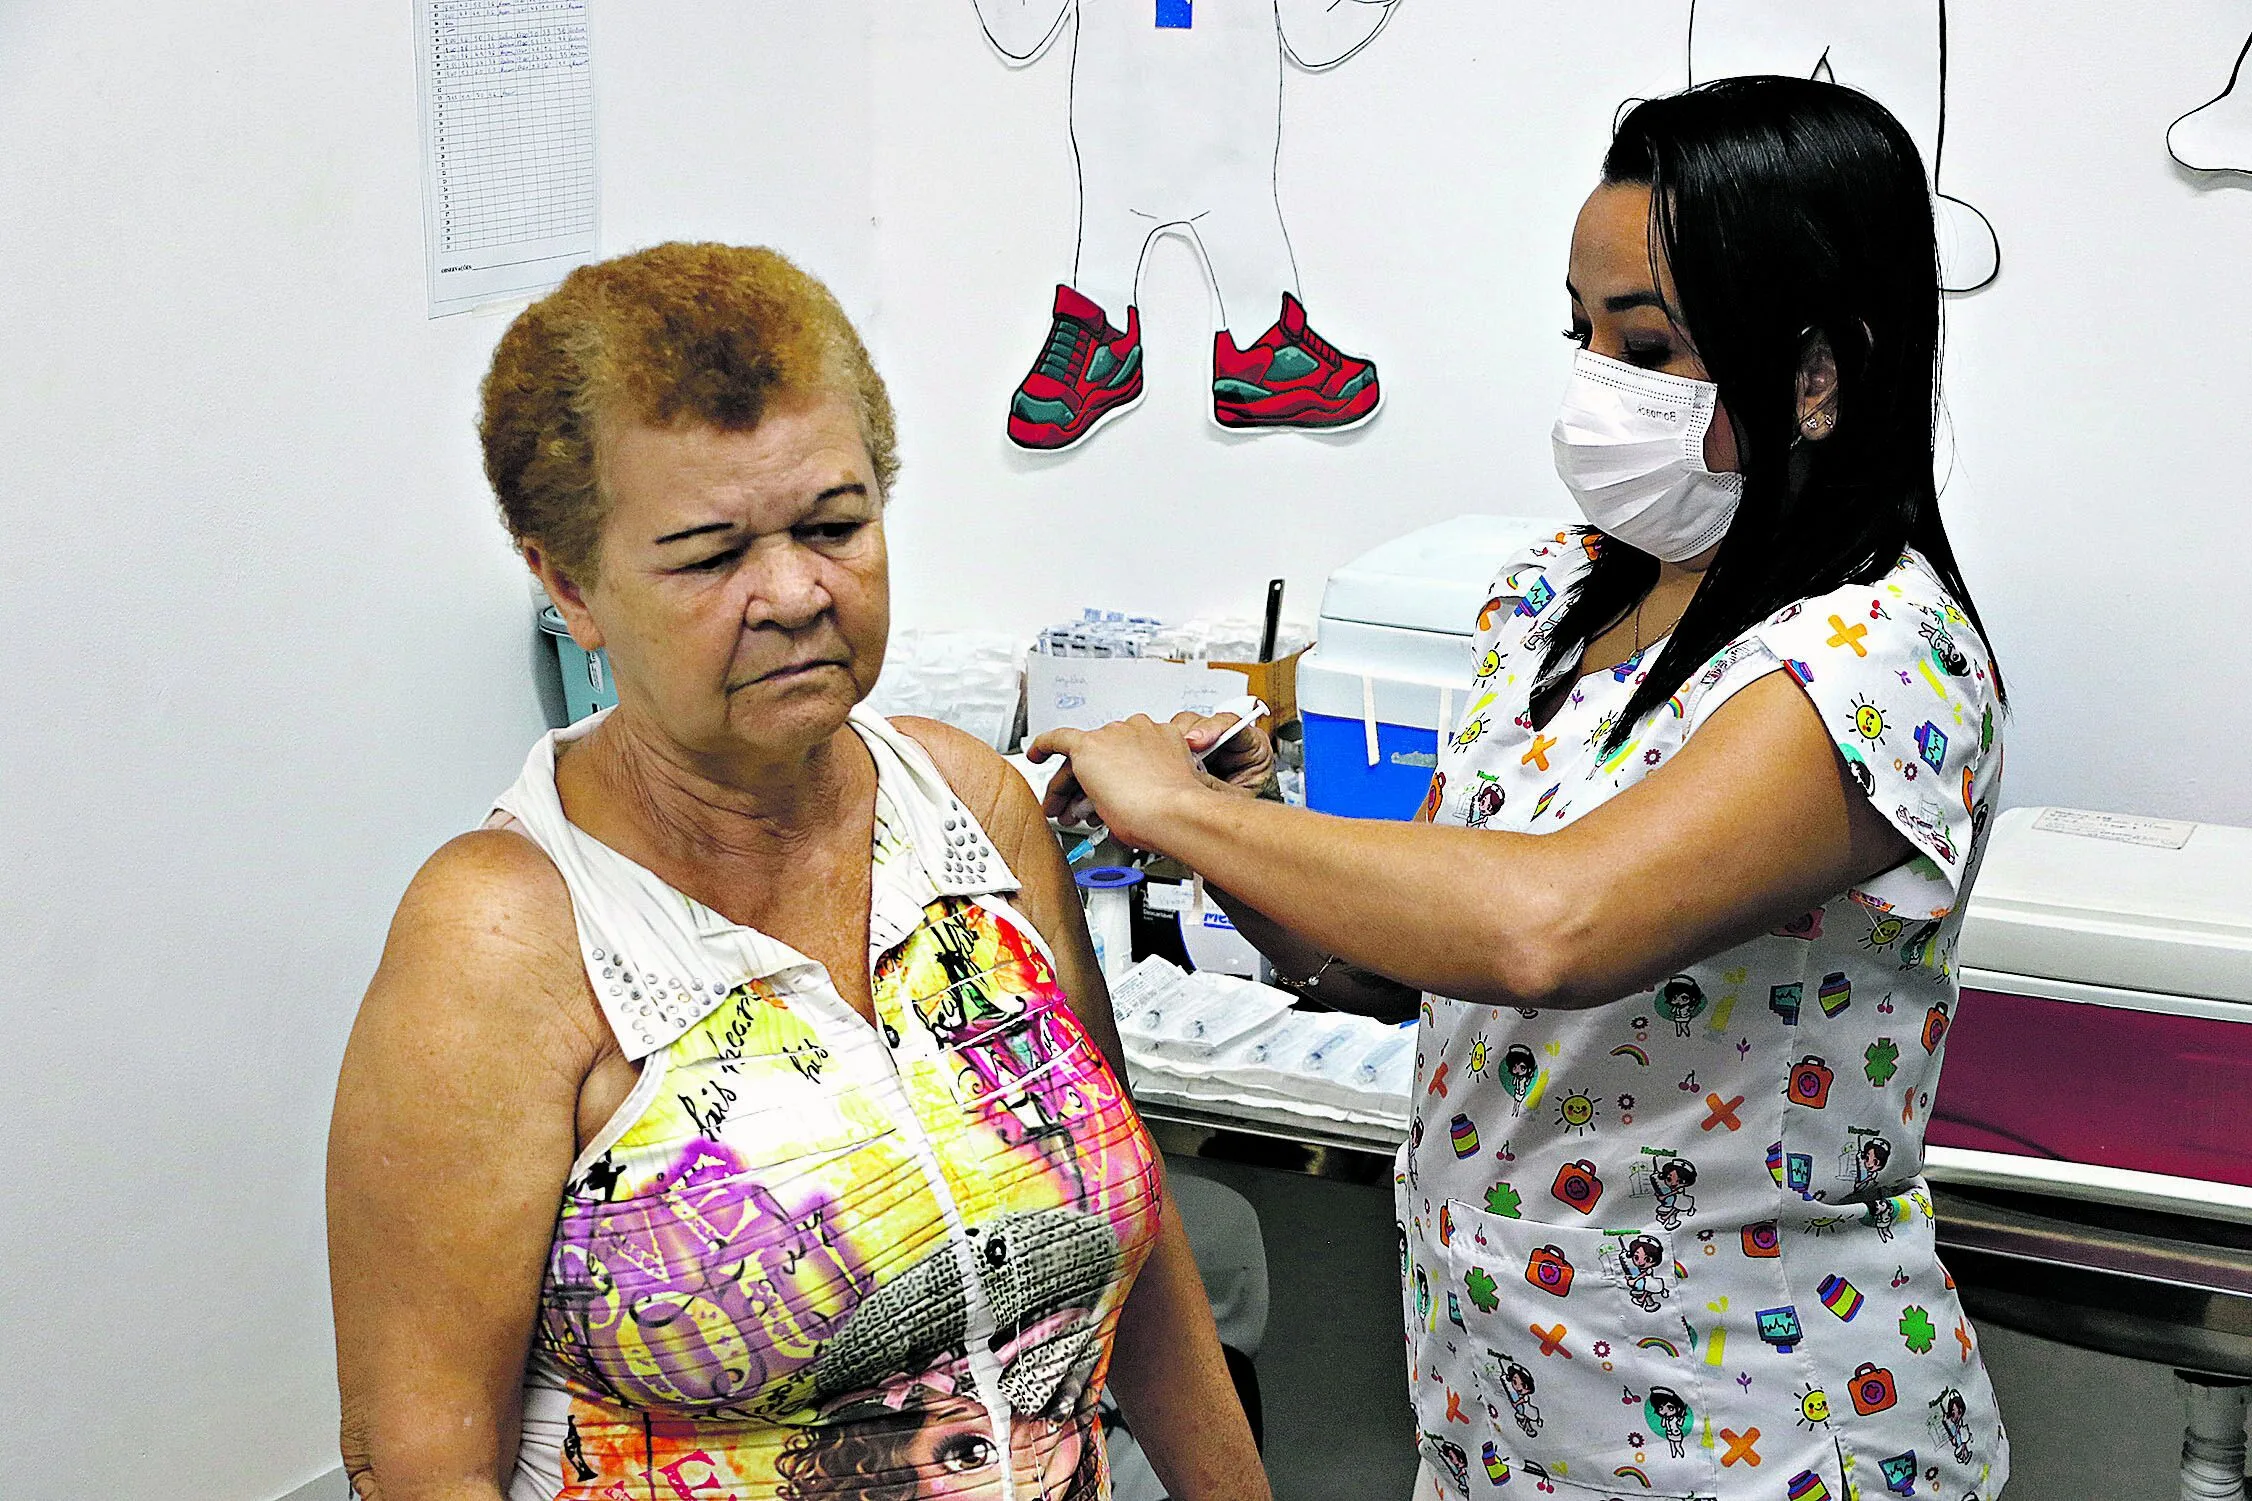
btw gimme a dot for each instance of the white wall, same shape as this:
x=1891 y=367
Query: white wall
x=2099 y=393
x=2098 y=389
x=267 y=648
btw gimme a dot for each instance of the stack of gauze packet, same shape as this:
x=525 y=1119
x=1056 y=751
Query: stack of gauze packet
x=972 y=680
x=1222 y=1040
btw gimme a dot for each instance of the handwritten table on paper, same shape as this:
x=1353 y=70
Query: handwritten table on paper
x=508 y=144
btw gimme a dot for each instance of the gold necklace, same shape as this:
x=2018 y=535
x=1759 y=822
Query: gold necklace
x=1639 y=607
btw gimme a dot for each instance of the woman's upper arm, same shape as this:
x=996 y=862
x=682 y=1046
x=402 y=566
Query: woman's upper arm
x=1004 y=805
x=1050 y=898
x=453 y=1133
x=1850 y=743
x=1755 y=821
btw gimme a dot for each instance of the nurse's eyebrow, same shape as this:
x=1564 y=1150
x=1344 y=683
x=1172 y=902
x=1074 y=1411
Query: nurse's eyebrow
x=1624 y=301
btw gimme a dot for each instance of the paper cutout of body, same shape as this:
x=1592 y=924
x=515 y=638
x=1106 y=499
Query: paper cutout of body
x=2217 y=135
x=1176 y=119
x=1895 y=51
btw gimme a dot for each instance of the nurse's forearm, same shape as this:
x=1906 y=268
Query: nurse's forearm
x=1460 y=912
x=1750 y=825
x=1291 y=955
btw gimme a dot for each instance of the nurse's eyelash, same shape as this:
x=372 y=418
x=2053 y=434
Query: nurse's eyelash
x=1579 y=336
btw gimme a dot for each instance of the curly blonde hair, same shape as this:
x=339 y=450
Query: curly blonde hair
x=676 y=334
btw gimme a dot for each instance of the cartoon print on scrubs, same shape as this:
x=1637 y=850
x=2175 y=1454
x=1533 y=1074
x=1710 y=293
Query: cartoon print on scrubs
x=1176 y=128
x=1517 y=1382
x=818 y=1257
x=1667 y=1178
x=1693 y=1246
x=1485 y=801
x=1642 y=1272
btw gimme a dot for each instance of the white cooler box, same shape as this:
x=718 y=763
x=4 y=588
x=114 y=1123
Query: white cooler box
x=2103 y=1048
x=1389 y=671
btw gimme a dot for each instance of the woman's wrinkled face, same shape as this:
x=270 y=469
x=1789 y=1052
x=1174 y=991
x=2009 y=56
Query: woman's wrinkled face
x=1623 y=300
x=744 y=591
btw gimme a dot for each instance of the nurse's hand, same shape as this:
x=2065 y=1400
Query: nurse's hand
x=1129 y=773
x=1246 y=763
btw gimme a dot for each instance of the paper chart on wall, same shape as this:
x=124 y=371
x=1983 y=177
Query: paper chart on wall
x=508 y=166
x=1895 y=52
x=2217 y=135
x=1176 y=124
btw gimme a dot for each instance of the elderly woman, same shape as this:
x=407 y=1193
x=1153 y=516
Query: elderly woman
x=739 y=1113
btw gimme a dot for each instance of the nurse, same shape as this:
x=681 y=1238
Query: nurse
x=1744 y=734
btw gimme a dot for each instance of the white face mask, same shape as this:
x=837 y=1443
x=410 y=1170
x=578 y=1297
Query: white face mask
x=1630 y=446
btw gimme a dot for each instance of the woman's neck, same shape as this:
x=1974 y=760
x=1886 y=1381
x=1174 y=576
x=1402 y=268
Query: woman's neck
x=1656 y=613
x=631 y=780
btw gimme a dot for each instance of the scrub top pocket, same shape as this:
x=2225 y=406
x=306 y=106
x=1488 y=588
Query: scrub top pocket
x=1576 y=1336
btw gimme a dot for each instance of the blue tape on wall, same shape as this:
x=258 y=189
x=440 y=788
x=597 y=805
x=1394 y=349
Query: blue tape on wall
x=1176 y=15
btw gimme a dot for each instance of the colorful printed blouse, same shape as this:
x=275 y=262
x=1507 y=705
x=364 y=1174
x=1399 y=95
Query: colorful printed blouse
x=1680 y=1245
x=811 y=1257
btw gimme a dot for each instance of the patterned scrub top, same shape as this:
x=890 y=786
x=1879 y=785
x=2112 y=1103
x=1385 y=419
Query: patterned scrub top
x=1680 y=1245
x=811 y=1257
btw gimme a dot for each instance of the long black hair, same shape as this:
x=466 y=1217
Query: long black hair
x=1786 y=208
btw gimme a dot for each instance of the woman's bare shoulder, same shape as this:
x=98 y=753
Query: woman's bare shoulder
x=1000 y=799
x=492 y=886
x=485 y=945
x=1003 y=803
